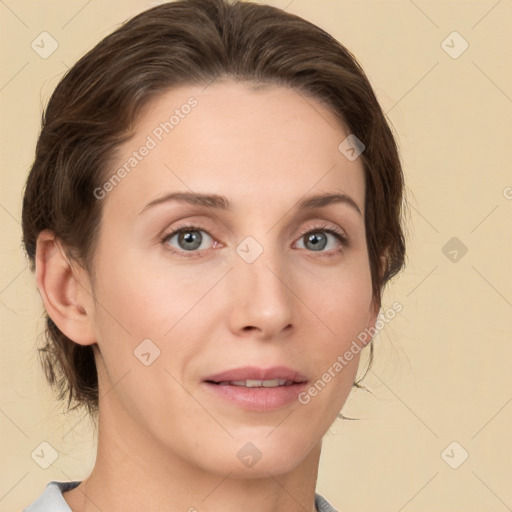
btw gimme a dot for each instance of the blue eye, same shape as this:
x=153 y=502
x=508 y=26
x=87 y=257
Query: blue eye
x=317 y=239
x=190 y=238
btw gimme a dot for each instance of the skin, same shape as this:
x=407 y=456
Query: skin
x=164 y=443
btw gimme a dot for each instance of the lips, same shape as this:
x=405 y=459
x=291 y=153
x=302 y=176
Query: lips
x=253 y=373
x=257 y=389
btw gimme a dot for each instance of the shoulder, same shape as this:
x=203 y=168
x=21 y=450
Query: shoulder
x=51 y=500
x=322 y=505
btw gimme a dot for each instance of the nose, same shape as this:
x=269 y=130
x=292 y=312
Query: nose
x=263 y=302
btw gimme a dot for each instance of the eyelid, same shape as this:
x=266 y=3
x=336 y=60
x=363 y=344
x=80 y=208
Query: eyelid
x=330 y=228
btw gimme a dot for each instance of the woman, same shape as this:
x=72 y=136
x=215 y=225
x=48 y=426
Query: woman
x=213 y=212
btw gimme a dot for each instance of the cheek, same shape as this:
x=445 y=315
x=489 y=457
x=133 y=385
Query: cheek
x=146 y=309
x=341 y=309
x=138 y=297
x=351 y=310
x=340 y=298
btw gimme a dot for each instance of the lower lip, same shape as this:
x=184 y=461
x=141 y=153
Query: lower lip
x=258 y=399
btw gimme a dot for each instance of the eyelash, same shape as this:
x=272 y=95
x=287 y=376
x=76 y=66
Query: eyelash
x=337 y=233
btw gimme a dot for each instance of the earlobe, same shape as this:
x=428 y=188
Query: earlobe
x=58 y=286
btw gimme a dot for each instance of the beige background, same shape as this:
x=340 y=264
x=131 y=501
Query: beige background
x=442 y=370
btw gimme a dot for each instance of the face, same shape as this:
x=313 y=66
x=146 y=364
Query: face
x=253 y=277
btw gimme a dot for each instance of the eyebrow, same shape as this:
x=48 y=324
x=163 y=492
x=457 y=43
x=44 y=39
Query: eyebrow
x=222 y=203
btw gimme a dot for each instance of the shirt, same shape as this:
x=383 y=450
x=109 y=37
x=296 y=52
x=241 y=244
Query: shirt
x=52 y=500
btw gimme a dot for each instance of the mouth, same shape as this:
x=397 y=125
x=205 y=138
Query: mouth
x=253 y=383
x=257 y=389
x=254 y=376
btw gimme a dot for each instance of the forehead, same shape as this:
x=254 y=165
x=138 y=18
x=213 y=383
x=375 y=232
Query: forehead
x=272 y=143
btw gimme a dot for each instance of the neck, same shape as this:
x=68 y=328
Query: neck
x=135 y=472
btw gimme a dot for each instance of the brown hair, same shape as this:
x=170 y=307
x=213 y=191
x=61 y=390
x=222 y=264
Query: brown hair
x=95 y=106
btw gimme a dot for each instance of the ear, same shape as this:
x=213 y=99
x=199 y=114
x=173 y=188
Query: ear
x=374 y=307
x=65 y=291
x=372 y=319
x=373 y=313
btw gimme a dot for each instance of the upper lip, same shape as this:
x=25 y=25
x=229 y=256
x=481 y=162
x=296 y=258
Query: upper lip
x=256 y=373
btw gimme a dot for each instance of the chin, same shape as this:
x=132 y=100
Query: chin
x=259 y=457
x=274 y=466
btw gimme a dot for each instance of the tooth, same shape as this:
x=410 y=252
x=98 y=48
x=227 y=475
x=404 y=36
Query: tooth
x=237 y=382
x=253 y=383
